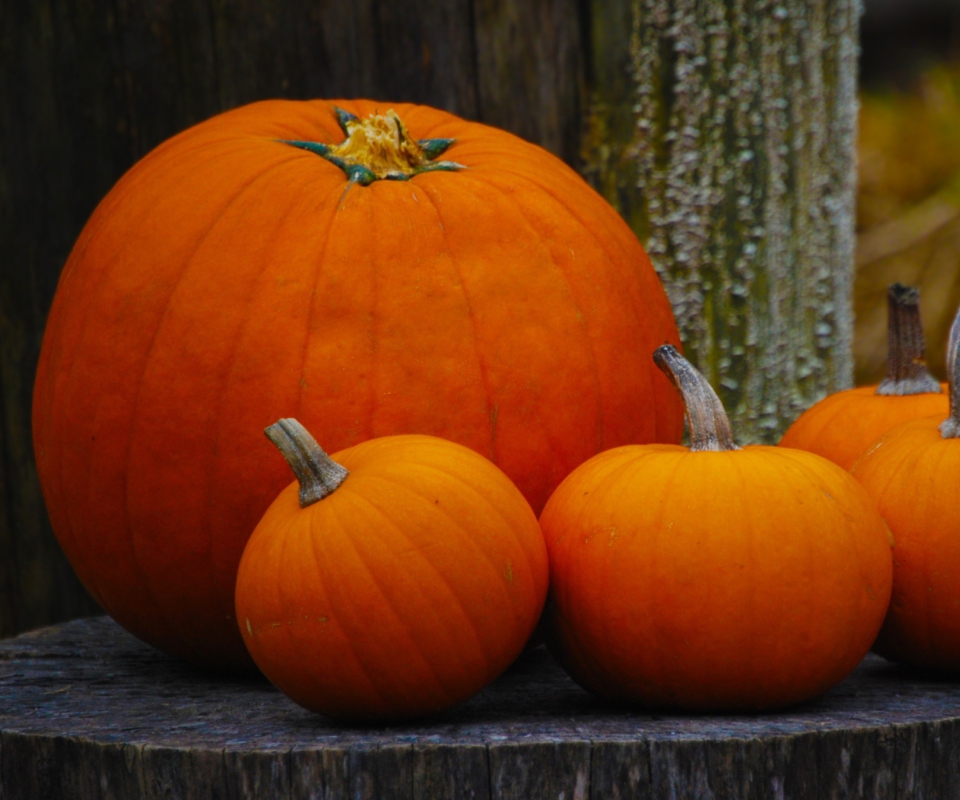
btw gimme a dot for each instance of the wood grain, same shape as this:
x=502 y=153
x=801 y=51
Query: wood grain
x=87 y=711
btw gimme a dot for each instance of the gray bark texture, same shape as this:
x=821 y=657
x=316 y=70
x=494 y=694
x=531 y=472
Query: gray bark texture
x=724 y=132
x=87 y=711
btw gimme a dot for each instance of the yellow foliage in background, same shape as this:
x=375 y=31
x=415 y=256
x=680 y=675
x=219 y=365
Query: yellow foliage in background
x=908 y=214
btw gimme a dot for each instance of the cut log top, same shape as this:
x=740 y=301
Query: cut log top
x=86 y=710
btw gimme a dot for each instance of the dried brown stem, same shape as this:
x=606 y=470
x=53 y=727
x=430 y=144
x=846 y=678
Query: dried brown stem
x=707 y=419
x=907 y=372
x=318 y=474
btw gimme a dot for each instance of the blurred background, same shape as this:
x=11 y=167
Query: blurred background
x=908 y=191
x=89 y=87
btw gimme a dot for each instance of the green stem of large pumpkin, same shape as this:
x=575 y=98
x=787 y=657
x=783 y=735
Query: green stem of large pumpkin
x=906 y=350
x=380 y=148
x=950 y=427
x=707 y=419
x=318 y=474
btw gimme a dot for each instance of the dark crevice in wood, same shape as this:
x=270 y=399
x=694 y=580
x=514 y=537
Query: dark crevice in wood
x=214 y=56
x=9 y=588
x=486 y=754
x=475 y=59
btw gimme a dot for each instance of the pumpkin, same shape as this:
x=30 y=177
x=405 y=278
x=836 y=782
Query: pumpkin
x=712 y=578
x=395 y=579
x=912 y=473
x=407 y=272
x=844 y=424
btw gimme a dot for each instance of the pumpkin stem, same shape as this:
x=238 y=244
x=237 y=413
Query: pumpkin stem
x=906 y=350
x=319 y=475
x=950 y=427
x=380 y=148
x=707 y=419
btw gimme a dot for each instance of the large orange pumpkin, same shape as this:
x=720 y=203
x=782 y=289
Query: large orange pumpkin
x=394 y=579
x=251 y=268
x=843 y=425
x=913 y=473
x=714 y=577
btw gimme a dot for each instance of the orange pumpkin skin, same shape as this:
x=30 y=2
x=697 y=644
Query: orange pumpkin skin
x=743 y=580
x=912 y=474
x=842 y=426
x=230 y=279
x=404 y=592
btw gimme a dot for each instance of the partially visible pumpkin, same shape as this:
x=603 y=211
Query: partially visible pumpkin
x=425 y=275
x=843 y=425
x=913 y=474
x=395 y=579
x=712 y=578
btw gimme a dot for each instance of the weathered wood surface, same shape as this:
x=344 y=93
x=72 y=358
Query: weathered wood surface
x=89 y=87
x=87 y=711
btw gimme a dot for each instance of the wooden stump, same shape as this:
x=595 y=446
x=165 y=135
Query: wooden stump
x=87 y=711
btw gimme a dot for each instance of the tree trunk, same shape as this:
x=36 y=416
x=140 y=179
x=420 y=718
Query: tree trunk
x=724 y=132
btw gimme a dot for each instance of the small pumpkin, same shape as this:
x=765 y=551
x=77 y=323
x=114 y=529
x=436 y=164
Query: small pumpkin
x=844 y=424
x=714 y=577
x=395 y=579
x=371 y=273
x=913 y=473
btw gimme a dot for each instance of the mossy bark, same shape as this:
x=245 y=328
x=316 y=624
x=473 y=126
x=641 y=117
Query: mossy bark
x=724 y=132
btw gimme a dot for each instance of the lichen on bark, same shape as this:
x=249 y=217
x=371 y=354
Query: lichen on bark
x=724 y=133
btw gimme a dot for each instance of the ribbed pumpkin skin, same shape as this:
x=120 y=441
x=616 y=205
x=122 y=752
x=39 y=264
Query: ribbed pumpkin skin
x=742 y=580
x=229 y=280
x=843 y=425
x=404 y=592
x=912 y=474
